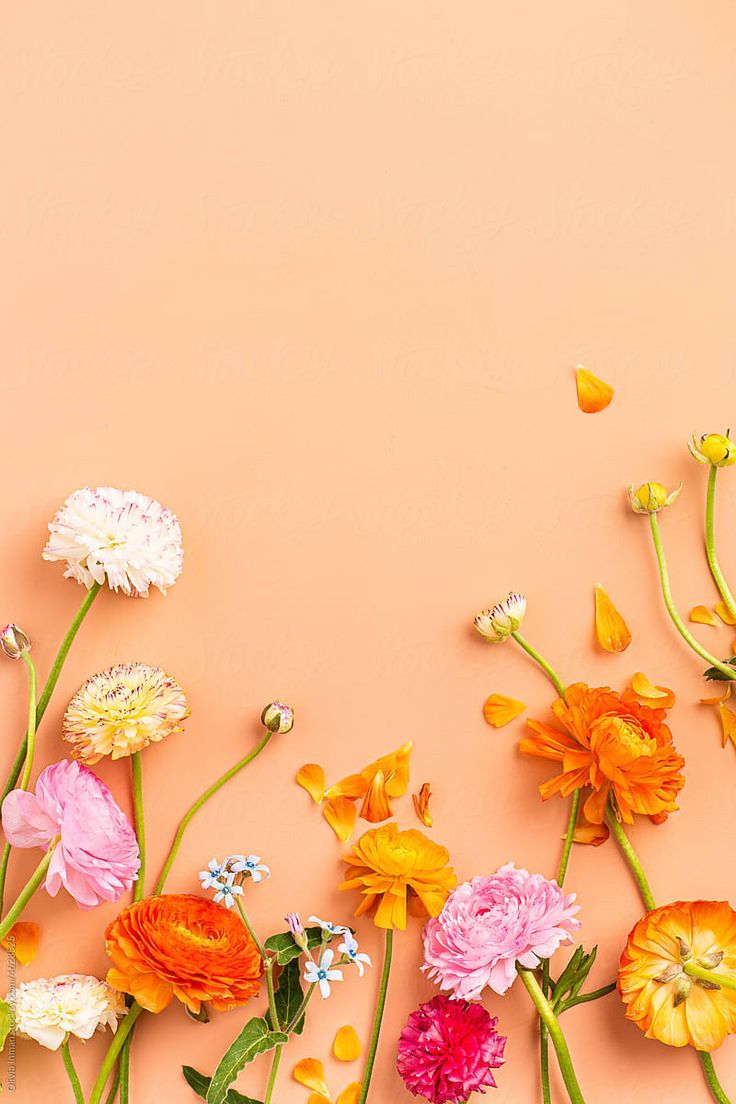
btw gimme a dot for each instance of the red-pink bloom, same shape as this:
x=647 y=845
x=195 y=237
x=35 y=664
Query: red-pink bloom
x=96 y=858
x=448 y=1049
x=490 y=924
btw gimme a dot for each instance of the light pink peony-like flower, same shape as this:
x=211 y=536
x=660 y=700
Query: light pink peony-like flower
x=490 y=924
x=448 y=1049
x=96 y=858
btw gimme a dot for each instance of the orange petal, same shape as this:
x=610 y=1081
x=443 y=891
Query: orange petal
x=701 y=615
x=725 y=614
x=26 y=935
x=421 y=804
x=350 y=1095
x=395 y=769
x=346 y=1046
x=311 y=1072
x=593 y=834
x=317 y=1098
x=353 y=786
x=728 y=720
x=340 y=813
x=721 y=697
x=641 y=686
x=498 y=710
x=376 y=806
x=311 y=777
x=593 y=394
x=610 y=628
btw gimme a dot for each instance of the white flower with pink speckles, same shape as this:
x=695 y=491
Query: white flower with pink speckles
x=50 y=1009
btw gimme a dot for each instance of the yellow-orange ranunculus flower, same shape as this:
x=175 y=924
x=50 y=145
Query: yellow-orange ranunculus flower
x=376 y=784
x=661 y=997
x=184 y=946
x=393 y=869
x=615 y=746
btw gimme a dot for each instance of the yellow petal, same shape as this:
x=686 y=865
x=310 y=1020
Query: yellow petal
x=395 y=770
x=311 y=777
x=498 y=710
x=720 y=697
x=592 y=834
x=421 y=804
x=728 y=720
x=610 y=628
x=725 y=614
x=346 y=1046
x=593 y=394
x=701 y=615
x=350 y=1095
x=26 y=935
x=353 y=786
x=376 y=806
x=317 y=1098
x=641 y=686
x=311 y=1072
x=340 y=813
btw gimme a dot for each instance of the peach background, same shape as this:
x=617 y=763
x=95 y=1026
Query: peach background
x=317 y=277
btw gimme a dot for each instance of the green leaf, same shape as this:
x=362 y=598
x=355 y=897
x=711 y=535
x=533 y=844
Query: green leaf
x=200 y=1084
x=254 y=1039
x=714 y=675
x=6 y=1021
x=289 y=995
x=284 y=947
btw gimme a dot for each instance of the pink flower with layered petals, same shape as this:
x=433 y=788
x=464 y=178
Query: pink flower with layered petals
x=96 y=858
x=448 y=1049
x=490 y=924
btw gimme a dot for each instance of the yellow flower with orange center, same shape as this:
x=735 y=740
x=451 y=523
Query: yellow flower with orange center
x=399 y=871
x=614 y=745
x=657 y=974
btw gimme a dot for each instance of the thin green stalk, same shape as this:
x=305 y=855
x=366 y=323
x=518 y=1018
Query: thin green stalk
x=30 y=751
x=294 y=1023
x=567 y=846
x=191 y=812
x=716 y=1089
x=140 y=823
x=549 y=671
x=116 y=1083
x=555 y=1033
x=631 y=858
x=381 y=1005
x=583 y=998
x=124 y=1069
x=675 y=617
x=710 y=544
x=51 y=682
x=118 y=1040
x=27 y=892
x=71 y=1072
x=274 y=1074
x=723 y=981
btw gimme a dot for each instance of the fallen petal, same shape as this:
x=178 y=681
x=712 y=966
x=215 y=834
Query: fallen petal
x=722 y=698
x=593 y=394
x=350 y=1095
x=728 y=720
x=421 y=804
x=341 y=814
x=376 y=806
x=498 y=710
x=311 y=1073
x=346 y=1046
x=311 y=777
x=725 y=614
x=610 y=628
x=592 y=834
x=24 y=938
x=353 y=786
x=641 y=686
x=701 y=615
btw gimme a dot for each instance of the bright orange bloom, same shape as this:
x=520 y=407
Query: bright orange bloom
x=393 y=869
x=660 y=996
x=613 y=744
x=183 y=946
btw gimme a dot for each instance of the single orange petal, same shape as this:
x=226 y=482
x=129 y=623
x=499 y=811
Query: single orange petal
x=725 y=614
x=610 y=628
x=340 y=813
x=593 y=394
x=421 y=804
x=346 y=1046
x=350 y=1095
x=376 y=805
x=23 y=939
x=593 y=834
x=701 y=615
x=311 y=1073
x=353 y=786
x=311 y=777
x=317 y=1098
x=643 y=688
x=720 y=697
x=498 y=710
x=728 y=720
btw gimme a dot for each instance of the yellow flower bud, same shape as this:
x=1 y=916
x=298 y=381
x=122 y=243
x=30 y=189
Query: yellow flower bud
x=713 y=448
x=650 y=498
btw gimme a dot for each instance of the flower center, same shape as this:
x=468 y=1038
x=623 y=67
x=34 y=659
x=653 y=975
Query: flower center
x=618 y=741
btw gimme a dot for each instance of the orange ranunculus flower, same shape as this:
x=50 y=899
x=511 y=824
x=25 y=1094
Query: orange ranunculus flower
x=660 y=996
x=615 y=745
x=183 y=946
x=393 y=869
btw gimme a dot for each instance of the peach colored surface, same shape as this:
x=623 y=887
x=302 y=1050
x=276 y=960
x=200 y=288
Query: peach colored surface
x=317 y=276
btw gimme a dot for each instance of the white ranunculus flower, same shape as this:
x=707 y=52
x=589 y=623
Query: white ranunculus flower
x=49 y=1009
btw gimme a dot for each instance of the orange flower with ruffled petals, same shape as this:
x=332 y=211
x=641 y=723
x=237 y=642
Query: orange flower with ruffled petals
x=616 y=746
x=183 y=946
x=665 y=1000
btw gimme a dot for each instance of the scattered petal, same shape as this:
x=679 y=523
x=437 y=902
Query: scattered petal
x=725 y=614
x=346 y=1046
x=27 y=936
x=311 y=777
x=311 y=1073
x=376 y=805
x=350 y=1095
x=421 y=804
x=395 y=770
x=722 y=698
x=610 y=628
x=353 y=786
x=340 y=813
x=317 y=1098
x=592 y=834
x=498 y=710
x=593 y=394
x=643 y=688
x=728 y=720
x=701 y=615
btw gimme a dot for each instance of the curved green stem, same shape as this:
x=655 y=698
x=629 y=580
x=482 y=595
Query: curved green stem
x=51 y=682
x=716 y=1089
x=27 y=892
x=567 y=845
x=71 y=1072
x=191 y=812
x=672 y=610
x=118 y=1041
x=140 y=823
x=28 y=767
x=381 y=1005
x=546 y=1013
x=584 y=998
x=273 y=1074
x=723 y=981
x=632 y=859
x=549 y=671
x=710 y=544
x=294 y=1023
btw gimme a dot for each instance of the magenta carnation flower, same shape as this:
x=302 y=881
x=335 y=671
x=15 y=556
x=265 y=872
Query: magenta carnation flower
x=490 y=924
x=96 y=858
x=448 y=1049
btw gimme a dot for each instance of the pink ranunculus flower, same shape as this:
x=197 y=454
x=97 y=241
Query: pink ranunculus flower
x=96 y=858
x=448 y=1049
x=491 y=924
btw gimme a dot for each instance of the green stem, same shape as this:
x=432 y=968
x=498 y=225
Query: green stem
x=71 y=1072
x=710 y=544
x=723 y=981
x=675 y=617
x=191 y=812
x=27 y=892
x=51 y=682
x=116 y=1083
x=273 y=1074
x=632 y=859
x=30 y=750
x=294 y=1023
x=567 y=846
x=583 y=998
x=140 y=823
x=555 y=1032
x=714 y=1084
x=118 y=1041
x=549 y=671
x=381 y=1005
x=124 y=1069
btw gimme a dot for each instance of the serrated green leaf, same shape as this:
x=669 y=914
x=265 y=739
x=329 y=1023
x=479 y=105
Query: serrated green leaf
x=254 y=1039
x=6 y=1021
x=289 y=995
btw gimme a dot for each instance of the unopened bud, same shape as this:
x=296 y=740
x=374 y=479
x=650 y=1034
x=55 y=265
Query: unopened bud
x=14 y=641
x=297 y=930
x=278 y=717
x=650 y=498
x=713 y=448
x=683 y=985
x=711 y=961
